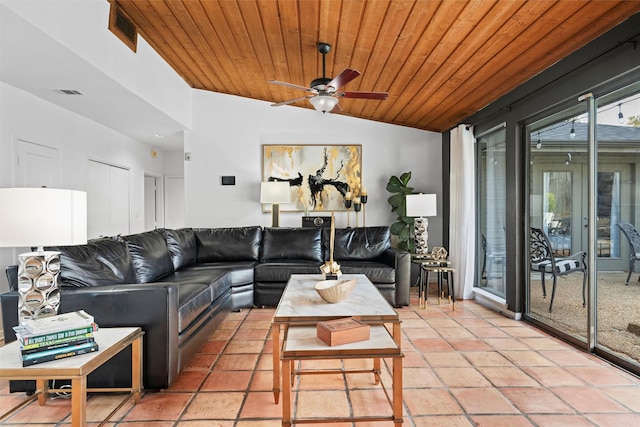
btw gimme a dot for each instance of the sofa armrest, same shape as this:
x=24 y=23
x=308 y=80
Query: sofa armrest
x=151 y=306
x=401 y=261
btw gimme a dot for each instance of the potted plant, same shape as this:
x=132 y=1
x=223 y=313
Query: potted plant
x=403 y=226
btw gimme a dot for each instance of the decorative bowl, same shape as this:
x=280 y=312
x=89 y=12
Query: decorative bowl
x=333 y=291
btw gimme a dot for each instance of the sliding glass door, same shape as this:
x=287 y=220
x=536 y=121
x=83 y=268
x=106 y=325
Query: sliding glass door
x=584 y=170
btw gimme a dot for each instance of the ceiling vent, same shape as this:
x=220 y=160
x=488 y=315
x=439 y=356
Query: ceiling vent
x=69 y=92
x=122 y=26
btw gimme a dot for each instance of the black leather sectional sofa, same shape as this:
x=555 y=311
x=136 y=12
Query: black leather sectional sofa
x=178 y=285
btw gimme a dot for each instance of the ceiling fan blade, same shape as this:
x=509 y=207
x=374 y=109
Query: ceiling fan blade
x=291 y=85
x=364 y=95
x=343 y=78
x=291 y=101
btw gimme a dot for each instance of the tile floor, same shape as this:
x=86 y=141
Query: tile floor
x=468 y=367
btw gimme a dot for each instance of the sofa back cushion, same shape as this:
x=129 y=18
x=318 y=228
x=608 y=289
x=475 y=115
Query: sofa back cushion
x=182 y=247
x=150 y=254
x=228 y=244
x=291 y=243
x=366 y=243
x=100 y=262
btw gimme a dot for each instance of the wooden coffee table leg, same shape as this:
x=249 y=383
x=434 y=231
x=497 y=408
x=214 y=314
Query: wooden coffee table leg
x=397 y=391
x=275 y=336
x=286 y=393
x=376 y=370
x=136 y=369
x=79 y=401
x=42 y=390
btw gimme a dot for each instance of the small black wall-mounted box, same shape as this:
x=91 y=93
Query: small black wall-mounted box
x=228 y=180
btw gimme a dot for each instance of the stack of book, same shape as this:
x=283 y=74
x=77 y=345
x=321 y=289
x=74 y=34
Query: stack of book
x=56 y=337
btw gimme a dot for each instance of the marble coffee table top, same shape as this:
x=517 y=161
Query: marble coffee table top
x=301 y=303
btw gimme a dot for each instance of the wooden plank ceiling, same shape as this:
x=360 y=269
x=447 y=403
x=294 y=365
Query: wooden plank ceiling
x=440 y=61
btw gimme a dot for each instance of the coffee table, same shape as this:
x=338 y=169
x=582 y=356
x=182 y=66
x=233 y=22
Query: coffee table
x=110 y=341
x=300 y=305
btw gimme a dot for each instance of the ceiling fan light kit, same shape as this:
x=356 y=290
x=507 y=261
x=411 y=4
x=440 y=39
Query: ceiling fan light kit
x=326 y=91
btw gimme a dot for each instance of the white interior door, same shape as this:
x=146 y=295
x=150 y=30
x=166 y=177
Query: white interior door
x=107 y=200
x=37 y=165
x=150 y=203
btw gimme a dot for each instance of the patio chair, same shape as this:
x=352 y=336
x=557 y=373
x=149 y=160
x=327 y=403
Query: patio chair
x=543 y=260
x=633 y=238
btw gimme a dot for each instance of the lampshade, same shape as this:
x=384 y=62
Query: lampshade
x=42 y=217
x=324 y=103
x=275 y=192
x=420 y=205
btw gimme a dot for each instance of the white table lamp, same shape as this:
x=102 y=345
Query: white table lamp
x=275 y=192
x=41 y=217
x=420 y=206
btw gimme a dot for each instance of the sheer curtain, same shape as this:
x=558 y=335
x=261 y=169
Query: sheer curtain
x=462 y=228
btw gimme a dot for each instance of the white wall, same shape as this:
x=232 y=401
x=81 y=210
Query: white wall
x=227 y=137
x=78 y=139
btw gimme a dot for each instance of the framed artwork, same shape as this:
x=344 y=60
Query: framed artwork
x=319 y=176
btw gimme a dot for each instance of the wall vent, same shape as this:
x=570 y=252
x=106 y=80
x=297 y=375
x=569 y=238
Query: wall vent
x=122 y=26
x=69 y=92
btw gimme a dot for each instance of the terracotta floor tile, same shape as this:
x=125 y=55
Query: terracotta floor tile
x=236 y=362
x=461 y=377
x=230 y=324
x=414 y=359
x=424 y=332
x=199 y=423
x=455 y=333
x=222 y=405
x=506 y=343
x=442 y=421
x=431 y=344
x=588 y=400
x=501 y=421
x=261 y=405
x=323 y=382
x=262 y=381
x=483 y=401
x=568 y=357
x=536 y=400
x=491 y=332
x=507 y=376
x=261 y=314
x=226 y=381
x=560 y=421
x=419 y=378
x=369 y=403
x=221 y=334
x=469 y=344
x=54 y=411
x=486 y=358
x=600 y=376
x=260 y=423
x=473 y=322
x=431 y=402
x=188 y=381
x=242 y=346
x=527 y=358
x=545 y=343
x=213 y=347
x=201 y=362
x=502 y=321
x=251 y=334
x=159 y=407
x=553 y=376
x=615 y=420
x=257 y=324
x=417 y=323
x=446 y=360
x=628 y=396
x=322 y=404
x=442 y=323
x=523 y=331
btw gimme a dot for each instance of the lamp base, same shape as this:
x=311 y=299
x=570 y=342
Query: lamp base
x=421 y=235
x=275 y=215
x=38 y=292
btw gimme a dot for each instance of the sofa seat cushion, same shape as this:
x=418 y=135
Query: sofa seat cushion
x=193 y=299
x=217 y=279
x=240 y=272
x=228 y=244
x=150 y=254
x=303 y=244
x=182 y=247
x=375 y=271
x=280 y=271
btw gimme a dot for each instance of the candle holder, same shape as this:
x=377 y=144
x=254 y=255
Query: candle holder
x=363 y=199
x=357 y=205
x=347 y=204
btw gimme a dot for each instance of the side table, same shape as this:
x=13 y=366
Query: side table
x=111 y=341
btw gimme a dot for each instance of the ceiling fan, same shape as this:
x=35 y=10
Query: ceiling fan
x=326 y=91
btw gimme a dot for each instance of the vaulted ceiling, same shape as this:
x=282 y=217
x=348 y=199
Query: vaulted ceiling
x=440 y=61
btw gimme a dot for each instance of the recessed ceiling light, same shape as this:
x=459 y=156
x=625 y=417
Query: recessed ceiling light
x=159 y=135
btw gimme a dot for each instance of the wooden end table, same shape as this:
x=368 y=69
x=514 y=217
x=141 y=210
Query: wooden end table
x=111 y=341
